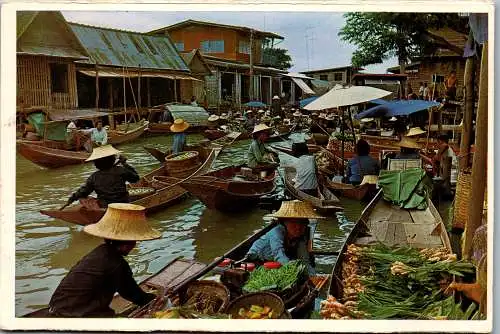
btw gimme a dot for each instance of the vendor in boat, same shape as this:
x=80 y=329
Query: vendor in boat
x=178 y=128
x=109 y=182
x=75 y=138
x=306 y=178
x=89 y=287
x=258 y=155
x=442 y=161
x=99 y=135
x=251 y=122
x=409 y=149
x=361 y=164
x=213 y=122
x=289 y=240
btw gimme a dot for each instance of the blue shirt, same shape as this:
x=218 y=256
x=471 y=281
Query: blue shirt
x=360 y=166
x=179 y=143
x=306 y=173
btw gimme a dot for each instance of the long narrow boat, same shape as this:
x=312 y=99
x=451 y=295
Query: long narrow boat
x=175 y=276
x=117 y=137
x=383 y=222
x=321 y=204
x=358 y=193
x=163 y=195
x=224 y=190
x=51 y=157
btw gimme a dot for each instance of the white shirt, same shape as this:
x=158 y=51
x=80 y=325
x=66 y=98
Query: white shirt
x=306 y=173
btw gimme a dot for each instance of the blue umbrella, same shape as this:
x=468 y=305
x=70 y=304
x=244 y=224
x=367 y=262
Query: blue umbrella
x=306 y=101
x=255 y=104
x=397 y=108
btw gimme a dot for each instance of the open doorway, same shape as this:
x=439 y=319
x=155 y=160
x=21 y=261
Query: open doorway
x=228 y=87
x=265 y=85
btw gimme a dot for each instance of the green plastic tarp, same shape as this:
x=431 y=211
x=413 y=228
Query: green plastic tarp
x=55 y=131
x=409 y=189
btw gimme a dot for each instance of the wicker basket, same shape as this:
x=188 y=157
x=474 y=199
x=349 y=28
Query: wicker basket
x=136 y=193
x=181 y=164
x=132 y=311
x=257 y=298
x=207 y=289
x=182 y=173
x=462 y=199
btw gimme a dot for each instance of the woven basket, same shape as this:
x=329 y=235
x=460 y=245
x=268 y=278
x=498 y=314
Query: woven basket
x=179 y=165
x=258 y=298
x=148 y=309
x=182 y=173
x=462 y=199
x=136 y=193
x=208 y=289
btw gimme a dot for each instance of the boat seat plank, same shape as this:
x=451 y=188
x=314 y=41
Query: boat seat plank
x=420 y=236
x=422 y=216
x=395 y=234
x=378 y=229
x=176 y=273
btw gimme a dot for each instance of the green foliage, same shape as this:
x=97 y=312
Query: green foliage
x=276 y=57
x=380 y=36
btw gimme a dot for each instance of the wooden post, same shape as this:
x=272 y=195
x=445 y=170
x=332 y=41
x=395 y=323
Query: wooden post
x=110 y=93
x=175 y=90
x=124 y=95
x=352 y=127
x=139 y=88
x=148 y=87
x=440 y=120
x=480 y=157
x=96 y=88
x=465 y=141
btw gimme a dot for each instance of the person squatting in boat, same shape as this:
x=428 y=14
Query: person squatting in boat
x=306 y=178
x=258 y=155
x=109 y=182
x=89 y=287
x=361 y=164
x=289 y=240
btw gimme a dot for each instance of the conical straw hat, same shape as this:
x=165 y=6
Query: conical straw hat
x=102 y=152
x=296 y=209
x=408 y=142
x=123 y=221
x=213 y=118
x=393 y=119
x=179 y=125
x=297 y=114
x=369 y=179
x=415 y=132
x=260 y=127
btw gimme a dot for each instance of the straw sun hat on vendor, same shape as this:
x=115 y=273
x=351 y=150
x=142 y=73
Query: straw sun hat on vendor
x=102 y=152
x=276 y=97
x=330 y=117
x=297 y=210
x=297 y=114
x=260 y=128
x=261 y=111
x=123 y=221
x=408 y=142
x=322 y=115
x=415 y=132
x=213 y=118
x=223 y=116
x=179 y=125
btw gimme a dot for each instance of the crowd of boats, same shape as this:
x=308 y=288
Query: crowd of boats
x=386 y=219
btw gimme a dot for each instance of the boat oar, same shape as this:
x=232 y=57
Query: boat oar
x=219 y=259
x=63 y=207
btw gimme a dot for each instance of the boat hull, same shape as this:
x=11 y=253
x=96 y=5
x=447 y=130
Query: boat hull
x=49 y=157
x=119 y=137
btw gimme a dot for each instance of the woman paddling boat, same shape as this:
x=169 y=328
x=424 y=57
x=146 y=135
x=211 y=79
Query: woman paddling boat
x=258 y=154
x=89 y=287
x=109 y=182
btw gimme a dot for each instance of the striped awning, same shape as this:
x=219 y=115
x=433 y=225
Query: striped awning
x=305 y=88
x=116 y=73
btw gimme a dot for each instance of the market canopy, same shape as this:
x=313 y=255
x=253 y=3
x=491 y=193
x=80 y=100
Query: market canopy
x=306 y=101
x=339 y=97
x=397 y=108
x=255 y=104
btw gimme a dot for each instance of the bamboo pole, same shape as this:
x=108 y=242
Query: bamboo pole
x=480 y=156
x=96 y=87
x=466 y=135
x=124 y=95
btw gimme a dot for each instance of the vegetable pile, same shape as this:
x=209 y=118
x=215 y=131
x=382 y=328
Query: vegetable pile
x=185 y=313
x=183 y=156
x=279 y=279
x=381 y=282
x=255 y=312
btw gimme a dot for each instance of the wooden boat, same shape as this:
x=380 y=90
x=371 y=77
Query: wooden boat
x=164 y=195
x=175 y=276
x=321 y=204
x=51 y=157
x=279 y=137
x=213 y=134
x=358 y=193
x=117 y=137
x=225 y=190
x=383 y=222
x=288 y=150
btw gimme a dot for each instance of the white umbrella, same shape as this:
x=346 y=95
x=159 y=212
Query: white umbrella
x=339 y=97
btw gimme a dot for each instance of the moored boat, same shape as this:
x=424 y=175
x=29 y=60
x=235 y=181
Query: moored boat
x=320 y=203
x=361 y=192
x=117 y=137
x=226 y=190
x=51 y=157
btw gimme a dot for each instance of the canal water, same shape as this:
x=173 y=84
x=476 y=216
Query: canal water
x=47 y=248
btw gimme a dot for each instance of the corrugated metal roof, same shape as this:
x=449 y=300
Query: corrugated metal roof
x=195 y=116
x=130 y=49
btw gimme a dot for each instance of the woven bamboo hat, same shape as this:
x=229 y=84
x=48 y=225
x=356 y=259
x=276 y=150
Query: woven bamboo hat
x=102 y=152
x=415 y=132
x=260 y=128
x=213 y=118
x=223 y=116
x=261 y=111
x=369 y=179
x=297 y=114
x=265 y=118
x=123 y=221
x=329 y=117
x=408 y=142
x=296 y=209
x=249 y=111
x=276 y=97
x=179 y=125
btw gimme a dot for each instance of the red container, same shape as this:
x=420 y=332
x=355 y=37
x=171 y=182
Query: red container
x=247 y=266
x=272 y=265
x=226 y=262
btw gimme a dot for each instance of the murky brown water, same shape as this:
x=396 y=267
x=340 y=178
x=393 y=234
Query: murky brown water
x=47 y=248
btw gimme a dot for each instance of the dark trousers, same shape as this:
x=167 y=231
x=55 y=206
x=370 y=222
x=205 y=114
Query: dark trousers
x=312 y=192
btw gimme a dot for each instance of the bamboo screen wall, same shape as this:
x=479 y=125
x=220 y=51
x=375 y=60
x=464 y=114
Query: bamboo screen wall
x=34 y=83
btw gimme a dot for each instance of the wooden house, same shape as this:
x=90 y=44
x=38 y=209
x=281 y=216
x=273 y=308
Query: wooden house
x=46 y=53
x=447 y=57
x=199 y=69
x=235 y=55
x=335 y=75
x=389 y=82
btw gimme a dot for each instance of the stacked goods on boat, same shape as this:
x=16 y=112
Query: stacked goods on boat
x=382 y=282
x=182 y=164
